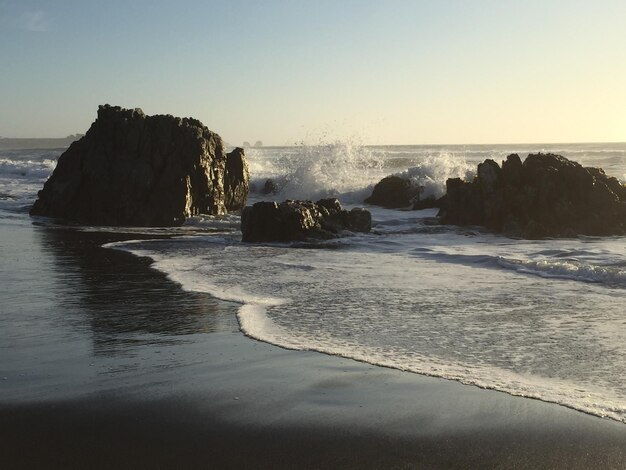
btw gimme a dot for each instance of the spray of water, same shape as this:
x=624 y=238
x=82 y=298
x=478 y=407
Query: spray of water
x=432 y=173
x=348 y=170
x=339 y=168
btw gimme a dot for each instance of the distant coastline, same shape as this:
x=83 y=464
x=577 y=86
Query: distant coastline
x=37 y=143
x=7 y=143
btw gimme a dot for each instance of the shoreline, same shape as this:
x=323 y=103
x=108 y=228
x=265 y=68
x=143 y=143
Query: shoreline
x=147 y=390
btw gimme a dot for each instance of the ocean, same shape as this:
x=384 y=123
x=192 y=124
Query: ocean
x=541 y=319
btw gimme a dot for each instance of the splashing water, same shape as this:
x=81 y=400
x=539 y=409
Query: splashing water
x=432 y=173
x=349 y=171
x=326 y=169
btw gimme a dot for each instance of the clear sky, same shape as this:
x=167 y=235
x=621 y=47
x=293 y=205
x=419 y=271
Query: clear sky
x=387 y=72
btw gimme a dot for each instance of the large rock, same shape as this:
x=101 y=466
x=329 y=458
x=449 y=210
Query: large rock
x=301 y=220
x=546 y=196
x=138 y=170
x=394 y=192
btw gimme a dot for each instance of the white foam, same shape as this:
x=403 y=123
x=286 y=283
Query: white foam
x=27 y=169
x=475 y=324
x=255 y=323
x=22 y=174
x=567 y=269
x=324 y=169
x=434 y=171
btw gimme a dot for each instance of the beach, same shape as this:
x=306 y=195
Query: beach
x=121 y=368
x=313 y=235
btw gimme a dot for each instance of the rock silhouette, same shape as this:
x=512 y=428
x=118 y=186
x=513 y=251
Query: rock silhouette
x=137 y=170
x=545 y=196
x=301 y=220
x=394 y=192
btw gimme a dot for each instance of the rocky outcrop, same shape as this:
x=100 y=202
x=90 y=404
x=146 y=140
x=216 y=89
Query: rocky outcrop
x=397 y=192
x=301 y=220
x=137 y=170
x=545 y=196
x=394 y=192
x=236 y=180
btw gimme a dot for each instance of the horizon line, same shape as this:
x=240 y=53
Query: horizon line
x=378 y=145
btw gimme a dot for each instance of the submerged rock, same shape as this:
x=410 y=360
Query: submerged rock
x=138 y=170
x=301 y=220
x=270 y=187
x=545 y=196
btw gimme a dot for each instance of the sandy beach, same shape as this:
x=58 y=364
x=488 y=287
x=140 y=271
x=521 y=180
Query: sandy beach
x=132 y=372
x=353 y=234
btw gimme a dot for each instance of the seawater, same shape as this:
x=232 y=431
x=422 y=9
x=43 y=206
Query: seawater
x=542 y=319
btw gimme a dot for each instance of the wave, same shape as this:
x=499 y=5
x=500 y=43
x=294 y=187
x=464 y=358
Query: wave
x=26 y=169
x=393 y=311
x=21 y=175
x=573 y=270
x=256 y=324
x=326 y=169
x=557 y=267
x=348 y=170
x=434 y=171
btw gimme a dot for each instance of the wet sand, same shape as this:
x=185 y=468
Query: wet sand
x=104 y=363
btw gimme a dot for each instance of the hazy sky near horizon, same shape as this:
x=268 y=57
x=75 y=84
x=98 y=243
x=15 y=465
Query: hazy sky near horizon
x=383 y=72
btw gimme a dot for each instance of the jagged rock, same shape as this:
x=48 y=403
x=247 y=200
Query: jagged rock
x=546 y=196
x=394 y=192
x=236 y=180
x=300 y=220
x=133 y=169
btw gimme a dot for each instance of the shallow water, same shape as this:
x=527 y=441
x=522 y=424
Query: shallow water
x=543 y=319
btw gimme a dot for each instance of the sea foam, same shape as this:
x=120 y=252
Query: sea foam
x=542 y=319
x=568 y=269
x=433 y=304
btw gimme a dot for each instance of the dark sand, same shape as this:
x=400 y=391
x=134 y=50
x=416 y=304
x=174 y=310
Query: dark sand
x=104 y=363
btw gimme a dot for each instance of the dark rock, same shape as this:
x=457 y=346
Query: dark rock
x=394 y=192
x=133 y=169
x=236 y=180
x=330 y=204
x=270 y=187
x=546 y=196
x=300 y=220
x=488 y=176
x=359 y=220
x=512 y=170
x=429 y=203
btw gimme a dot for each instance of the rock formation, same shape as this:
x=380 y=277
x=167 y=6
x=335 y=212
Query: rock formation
x=301 y=220
x=236 y=180
x=394 y=192
x=546 y=196
x=138 y=170
x=397 y=192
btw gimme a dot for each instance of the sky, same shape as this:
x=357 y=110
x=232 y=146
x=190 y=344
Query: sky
x=287 y=71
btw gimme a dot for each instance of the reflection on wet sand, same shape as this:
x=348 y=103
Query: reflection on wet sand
x=117 y=299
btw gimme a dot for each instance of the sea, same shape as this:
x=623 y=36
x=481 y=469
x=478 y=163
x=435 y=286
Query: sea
x=543 y=319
